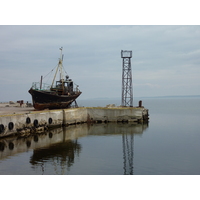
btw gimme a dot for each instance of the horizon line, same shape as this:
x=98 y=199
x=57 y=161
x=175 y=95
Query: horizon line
x=166 y=96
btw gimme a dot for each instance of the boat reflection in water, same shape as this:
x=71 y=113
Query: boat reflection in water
x=61 y=155
x=56 y=151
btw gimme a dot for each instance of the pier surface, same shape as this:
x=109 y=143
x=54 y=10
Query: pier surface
x=14 y=110
x=26 y=120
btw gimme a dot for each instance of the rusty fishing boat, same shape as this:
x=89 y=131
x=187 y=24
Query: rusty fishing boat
x=60 y=94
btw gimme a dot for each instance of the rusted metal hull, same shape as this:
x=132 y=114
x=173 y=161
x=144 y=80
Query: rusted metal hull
x=46 y=99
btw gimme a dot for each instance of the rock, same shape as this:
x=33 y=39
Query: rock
x=110 y=106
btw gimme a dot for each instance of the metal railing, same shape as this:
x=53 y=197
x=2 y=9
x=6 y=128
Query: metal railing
x=44 y=86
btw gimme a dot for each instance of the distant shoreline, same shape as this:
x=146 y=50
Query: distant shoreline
x=178 y=96
x=153 y=97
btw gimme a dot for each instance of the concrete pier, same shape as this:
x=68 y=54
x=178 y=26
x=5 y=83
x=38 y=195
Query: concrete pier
x=27 y=121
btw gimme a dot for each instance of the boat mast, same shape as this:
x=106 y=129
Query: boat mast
x=60 y=67
x=41 y=82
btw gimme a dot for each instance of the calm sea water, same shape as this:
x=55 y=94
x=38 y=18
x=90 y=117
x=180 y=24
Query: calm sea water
x=168 y=145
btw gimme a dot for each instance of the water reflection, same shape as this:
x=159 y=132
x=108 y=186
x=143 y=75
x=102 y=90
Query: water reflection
x=128 y=148
x=128 y=131
x=61 y=155
x=54 y=152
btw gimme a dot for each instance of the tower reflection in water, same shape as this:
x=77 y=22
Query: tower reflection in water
x=128 y=131
x=55 y=152
x=128 y=152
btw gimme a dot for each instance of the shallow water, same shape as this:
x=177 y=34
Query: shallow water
x=169 y=144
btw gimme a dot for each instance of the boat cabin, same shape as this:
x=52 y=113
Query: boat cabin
x=64 y=87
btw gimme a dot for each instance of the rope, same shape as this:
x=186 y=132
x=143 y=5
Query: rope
x=50 y=72
x=65 y=70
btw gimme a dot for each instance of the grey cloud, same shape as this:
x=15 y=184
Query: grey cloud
x=165 y=58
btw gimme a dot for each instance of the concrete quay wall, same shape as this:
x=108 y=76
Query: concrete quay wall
x=27 y=123
x=103 y=114
x=118 y=114
x=39 y=121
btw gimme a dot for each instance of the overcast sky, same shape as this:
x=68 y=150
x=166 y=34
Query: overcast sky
x=165 y=61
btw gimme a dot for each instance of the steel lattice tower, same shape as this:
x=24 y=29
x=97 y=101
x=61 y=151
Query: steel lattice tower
x=127 y=87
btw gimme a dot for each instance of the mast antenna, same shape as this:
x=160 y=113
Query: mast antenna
x=59 y=67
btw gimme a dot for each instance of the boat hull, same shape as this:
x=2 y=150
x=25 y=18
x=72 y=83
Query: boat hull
x=48 y=100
